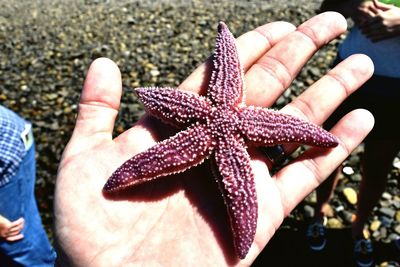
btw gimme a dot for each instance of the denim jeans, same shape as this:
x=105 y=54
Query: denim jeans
x=17 y=199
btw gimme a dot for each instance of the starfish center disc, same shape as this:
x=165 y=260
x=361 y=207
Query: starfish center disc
x=222 y=122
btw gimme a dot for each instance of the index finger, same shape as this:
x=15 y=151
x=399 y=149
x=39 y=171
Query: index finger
x=273 y=54
x=251 y=46
x=272 y=74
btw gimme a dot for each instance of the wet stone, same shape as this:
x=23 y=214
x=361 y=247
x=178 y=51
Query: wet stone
x=346 y=216
x=397 y=216
x=375 y=225
x=383 y=232
x=397 y=229
x=385 y=203
x=334 y=223
x=386 y=221
x=356 y=177
x=154 y=73
x=308 y=211
x=392 y=183
x=376 y=235
x=386 y=196
x=389 y=212
x=396 y=163
x=393 y=236
x=348 y=170
x=351 y=195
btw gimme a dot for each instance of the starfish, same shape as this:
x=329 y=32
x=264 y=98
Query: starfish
x=217 y=126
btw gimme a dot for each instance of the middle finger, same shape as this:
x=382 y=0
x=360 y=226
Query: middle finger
x=331 y=90
x=273 y=73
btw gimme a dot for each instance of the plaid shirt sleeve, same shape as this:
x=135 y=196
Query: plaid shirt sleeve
x=12 y=149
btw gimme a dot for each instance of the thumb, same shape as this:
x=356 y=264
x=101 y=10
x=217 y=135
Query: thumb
x=98 y=105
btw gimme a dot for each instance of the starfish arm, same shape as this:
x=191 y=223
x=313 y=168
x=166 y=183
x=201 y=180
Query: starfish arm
x=226 y=84
x=236 y=182
x=176 y=154
x=267 y=127
x=173 y=106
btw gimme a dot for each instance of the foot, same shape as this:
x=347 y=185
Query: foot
x=316 y=235
x=363 y=252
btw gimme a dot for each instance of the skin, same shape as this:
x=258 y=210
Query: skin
x=11 y=230
x=182 y=219
x=385 y=24
x=377 y=21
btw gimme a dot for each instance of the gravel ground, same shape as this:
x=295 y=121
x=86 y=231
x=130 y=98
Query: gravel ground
x=46 y=47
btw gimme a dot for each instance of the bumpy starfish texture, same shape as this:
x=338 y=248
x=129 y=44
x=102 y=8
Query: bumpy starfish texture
x=217 y=127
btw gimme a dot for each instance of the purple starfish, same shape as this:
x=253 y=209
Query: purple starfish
x=218 y=126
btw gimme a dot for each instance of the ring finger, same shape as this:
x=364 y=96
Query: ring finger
x=331 y=90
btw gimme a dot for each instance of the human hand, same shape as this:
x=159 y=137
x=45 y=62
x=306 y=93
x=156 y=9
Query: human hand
x=181 y=219
x=385 y=24
x=362 y=11
x=357 y=10
x=11 y=231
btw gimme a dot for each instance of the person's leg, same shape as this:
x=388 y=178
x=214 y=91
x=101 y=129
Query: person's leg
x=316 y=231
x=376 y=164
x=11 y=206
x=324 y=194
x=43 y=253
x=34 y=249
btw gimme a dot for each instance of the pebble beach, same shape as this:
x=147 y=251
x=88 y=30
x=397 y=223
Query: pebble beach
x=47 y=46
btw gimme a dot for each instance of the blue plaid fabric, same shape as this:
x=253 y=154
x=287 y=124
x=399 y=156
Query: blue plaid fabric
x=12 y=149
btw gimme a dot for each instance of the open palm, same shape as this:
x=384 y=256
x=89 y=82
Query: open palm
x=181 y=219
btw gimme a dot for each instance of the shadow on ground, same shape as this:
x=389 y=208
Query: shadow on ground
x=289 y=247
